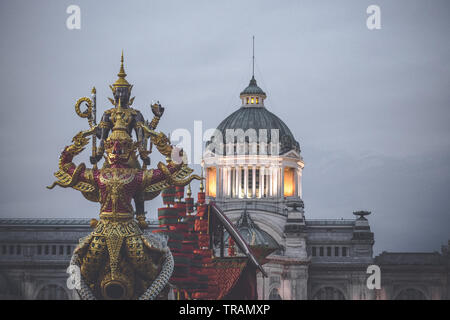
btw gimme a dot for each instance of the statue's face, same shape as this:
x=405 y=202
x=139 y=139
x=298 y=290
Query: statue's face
x=122 y=93
x=118 y=151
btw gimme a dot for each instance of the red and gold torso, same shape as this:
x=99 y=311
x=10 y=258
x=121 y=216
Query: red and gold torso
x=117 y=187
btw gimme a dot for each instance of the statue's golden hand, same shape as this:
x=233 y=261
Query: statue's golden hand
x=157 y=109
x=80 y=140
x=161 y=139
x=141 y=222
x=162 y=143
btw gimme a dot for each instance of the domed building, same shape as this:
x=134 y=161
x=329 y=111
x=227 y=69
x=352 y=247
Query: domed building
x=254 y=171
x=254 y=174
x=253 y=154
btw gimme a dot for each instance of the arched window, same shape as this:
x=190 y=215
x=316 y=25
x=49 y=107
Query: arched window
x=329 y=293
x=52 y=292
x=274 y=294
x=411 y=294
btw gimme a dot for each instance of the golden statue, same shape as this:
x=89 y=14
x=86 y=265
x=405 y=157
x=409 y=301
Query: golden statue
x=117 y=260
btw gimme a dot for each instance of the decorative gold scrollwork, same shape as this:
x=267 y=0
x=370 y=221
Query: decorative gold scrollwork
x=88 y=112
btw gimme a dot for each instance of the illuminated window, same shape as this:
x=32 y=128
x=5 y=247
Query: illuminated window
x=257 y=100
x=289 y=183
x=253 y=100
x=211 y=182
x=248 y=100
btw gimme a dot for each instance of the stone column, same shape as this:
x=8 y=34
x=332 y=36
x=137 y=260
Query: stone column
x=299 y=281
x=254 y=181
x=224 y=182
x=280 y=182
x=29 y=286
x=269 y=179
x=238 y=180
x=218 y=182
x=245 y=181
x=260 y=286
x=261 y=181
x=275 y=182
x=229 y=182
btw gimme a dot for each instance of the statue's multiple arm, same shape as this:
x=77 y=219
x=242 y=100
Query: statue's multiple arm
x=102 y=133
x=150 y=183
x=69 y=152
x=70 y=175
x=137 y=130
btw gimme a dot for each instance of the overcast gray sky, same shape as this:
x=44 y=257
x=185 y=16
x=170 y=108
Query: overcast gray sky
x=371 y=109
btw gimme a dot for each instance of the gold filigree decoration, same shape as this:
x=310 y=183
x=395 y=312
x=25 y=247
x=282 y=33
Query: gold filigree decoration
x=178 y=178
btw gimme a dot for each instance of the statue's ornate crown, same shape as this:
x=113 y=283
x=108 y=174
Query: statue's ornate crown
x=121 y=82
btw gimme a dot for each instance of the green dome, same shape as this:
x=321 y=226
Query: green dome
x=253 y=89
x=259 y=118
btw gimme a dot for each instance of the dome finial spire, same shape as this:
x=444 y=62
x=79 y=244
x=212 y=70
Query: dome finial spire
x=253 y=65
x=253 y=96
